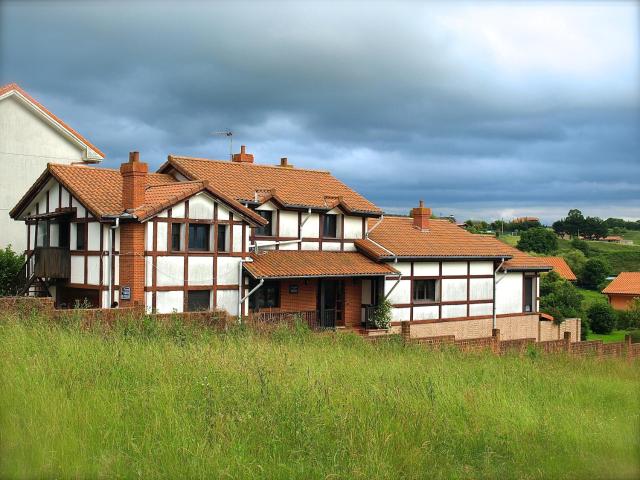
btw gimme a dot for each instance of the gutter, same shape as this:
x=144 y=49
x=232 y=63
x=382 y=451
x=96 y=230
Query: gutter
x=255 y=246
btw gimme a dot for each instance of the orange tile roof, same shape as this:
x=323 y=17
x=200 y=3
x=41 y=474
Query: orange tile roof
x=293 y=187
x=442 y=239
x=560 y=266
x=15 y=87
x=311 y=263
x=100 y=190
x=627 y=283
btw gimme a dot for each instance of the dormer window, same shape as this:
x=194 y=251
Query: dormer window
x=266 y=230
x=330 y=226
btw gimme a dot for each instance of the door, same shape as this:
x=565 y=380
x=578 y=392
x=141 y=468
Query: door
x=331 y=303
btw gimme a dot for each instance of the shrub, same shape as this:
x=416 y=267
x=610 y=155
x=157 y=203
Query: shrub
x=576 y=260
x=581 y=246
x=602 y=318
x=559 y=297
x=593 y=273
x=10 y=265
x=635 y=336
x=539 y=240
x=629 y=319
x=382 y=315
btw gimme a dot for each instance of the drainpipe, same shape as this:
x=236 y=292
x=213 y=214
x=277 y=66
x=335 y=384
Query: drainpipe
x=394 y=285
x=366 y=234
x=494 y=291
x=242 y=299
x=284 y=242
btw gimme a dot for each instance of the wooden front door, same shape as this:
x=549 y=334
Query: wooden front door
x=331 y=303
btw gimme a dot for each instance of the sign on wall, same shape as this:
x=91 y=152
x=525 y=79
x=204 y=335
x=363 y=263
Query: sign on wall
x=125 y=293
x=293 y=289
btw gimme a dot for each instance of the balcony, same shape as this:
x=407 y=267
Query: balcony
x=51 y=263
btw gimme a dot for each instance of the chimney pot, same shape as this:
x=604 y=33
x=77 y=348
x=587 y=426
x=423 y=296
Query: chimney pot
x=284 y=163
x=134 y=157
x=421 y=216
x=243 y=156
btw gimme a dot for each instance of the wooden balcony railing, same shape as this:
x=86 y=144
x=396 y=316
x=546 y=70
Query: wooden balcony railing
x=52 y=262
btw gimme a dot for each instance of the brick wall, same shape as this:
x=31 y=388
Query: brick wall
x=304 y=300
x=522 y=326
x=460 y=329
x=132 y=262
x=352 y=302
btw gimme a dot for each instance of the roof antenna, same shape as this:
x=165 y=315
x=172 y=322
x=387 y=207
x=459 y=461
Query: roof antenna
x=227 y=133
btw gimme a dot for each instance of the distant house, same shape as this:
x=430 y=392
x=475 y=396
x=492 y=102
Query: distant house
x=623 y=289
x=525 y=219
x=613 y=239
x=30 y=137
x=561 y=267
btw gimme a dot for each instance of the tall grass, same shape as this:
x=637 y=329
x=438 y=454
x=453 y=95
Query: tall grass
x=176 y=401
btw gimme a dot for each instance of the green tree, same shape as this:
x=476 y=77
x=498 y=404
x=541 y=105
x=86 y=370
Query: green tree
x=10 y=265
x=574 y=223
x=581 y=245
x=593 y=273
x=602 y=318
x=576 y=260
x=559 y=297
x=594 y=228
x=539 y=240
x=630 y=318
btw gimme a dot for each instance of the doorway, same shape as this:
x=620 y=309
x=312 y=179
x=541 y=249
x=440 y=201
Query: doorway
x=331 y=303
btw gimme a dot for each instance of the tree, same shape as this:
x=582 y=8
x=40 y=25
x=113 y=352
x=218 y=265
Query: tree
x=594 y=228
x=539 y=240
x=10 y=265
x=574 y=223
x=576 y=260
x=593 y=273
x=602 y=317
x=559 y=227
x=559 y=297
x=580 y=245
x=630 y=318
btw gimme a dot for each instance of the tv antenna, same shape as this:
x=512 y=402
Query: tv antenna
x=229 y=134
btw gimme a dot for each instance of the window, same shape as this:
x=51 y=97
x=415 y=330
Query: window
x=267 y=296
x=176 y=237
x=425 y=290
x=198 y=237
x=43 y=234
x=81 y=239
x=222 y=238
x=198 y=300
x=528 y=294
x=329 y=226
x=265 y=231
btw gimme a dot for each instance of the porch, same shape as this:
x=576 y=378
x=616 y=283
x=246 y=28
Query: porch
x=326 y=289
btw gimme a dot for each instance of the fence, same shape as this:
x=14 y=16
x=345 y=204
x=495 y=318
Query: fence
x=595 y=348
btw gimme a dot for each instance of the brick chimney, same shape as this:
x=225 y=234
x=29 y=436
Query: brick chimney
x=242 y=157
x=284 y=163
x=134 y=181
x=421 y=216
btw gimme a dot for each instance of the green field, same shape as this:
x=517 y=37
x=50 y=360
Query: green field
x=621 y=258
x=615 y=336
x=185 y=402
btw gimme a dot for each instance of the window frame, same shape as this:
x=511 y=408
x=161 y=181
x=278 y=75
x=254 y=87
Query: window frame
x=425 y=290
x=194 y=293
x=175 y=225
x=325 y=218
x=207 y=237
x=259 y=232
x=259 y=299
x=81 y=227
x=222 y=231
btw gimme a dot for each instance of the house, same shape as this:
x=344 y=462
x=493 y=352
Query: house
x=561 y=267
x=30 y=137
x=526 y=219
x=613 y=239
x=245 y=237
x=623 y=289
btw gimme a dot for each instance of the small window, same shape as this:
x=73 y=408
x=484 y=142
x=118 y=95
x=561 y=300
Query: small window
x=43 y=234
x=425 y=290
x=329 y=226
x=80 y=236
x=176 y=237
x=198 y=300
x=198 y=237
x=222 y=238
x=528 y=294
x=267 y=296
x=265 y=231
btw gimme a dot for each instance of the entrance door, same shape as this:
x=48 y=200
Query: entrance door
x=331 y=303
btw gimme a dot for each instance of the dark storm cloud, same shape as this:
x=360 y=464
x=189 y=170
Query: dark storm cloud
x=481 y=111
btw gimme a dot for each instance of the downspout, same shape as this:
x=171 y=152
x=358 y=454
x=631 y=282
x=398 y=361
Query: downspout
x=366 y=234
x=394 y=285
x=242 y=299
x=494 y=292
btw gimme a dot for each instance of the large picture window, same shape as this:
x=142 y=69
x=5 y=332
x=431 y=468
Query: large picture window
x=425 y=290
x=199 y=237
x=266 y=230
x=267 y=296
x=330 y=226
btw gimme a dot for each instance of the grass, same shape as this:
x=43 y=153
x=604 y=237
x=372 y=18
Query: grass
x=615 y=336
x=185 y=402
x=633 y=235
x=590 y=296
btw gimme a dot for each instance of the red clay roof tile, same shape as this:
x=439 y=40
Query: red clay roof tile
x=627 y=283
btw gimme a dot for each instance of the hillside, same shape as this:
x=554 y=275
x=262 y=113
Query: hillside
x=186 y=402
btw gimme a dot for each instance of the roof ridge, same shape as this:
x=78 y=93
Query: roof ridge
x=229 y=162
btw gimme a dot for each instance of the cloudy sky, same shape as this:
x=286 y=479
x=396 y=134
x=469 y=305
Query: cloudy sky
x=482 y=109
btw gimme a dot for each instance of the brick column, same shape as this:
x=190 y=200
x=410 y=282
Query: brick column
x=627 y=345
x=405 y=330
x=132 y=262
x=567 y=341
x=495 y=333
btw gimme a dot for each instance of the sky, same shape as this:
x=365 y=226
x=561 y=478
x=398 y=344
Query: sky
x=483 y=110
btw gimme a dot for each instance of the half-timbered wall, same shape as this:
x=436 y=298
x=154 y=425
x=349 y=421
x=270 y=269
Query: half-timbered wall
x=287 y=226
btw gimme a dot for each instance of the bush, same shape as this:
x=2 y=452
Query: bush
x=580 y=245
x=539 y=240
x=576 y=260
x=629 y=319
x=635 y=336
x=382 y=315
x=593 y=273
x=559 y=297
x=602 y=318
x=10 y=265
